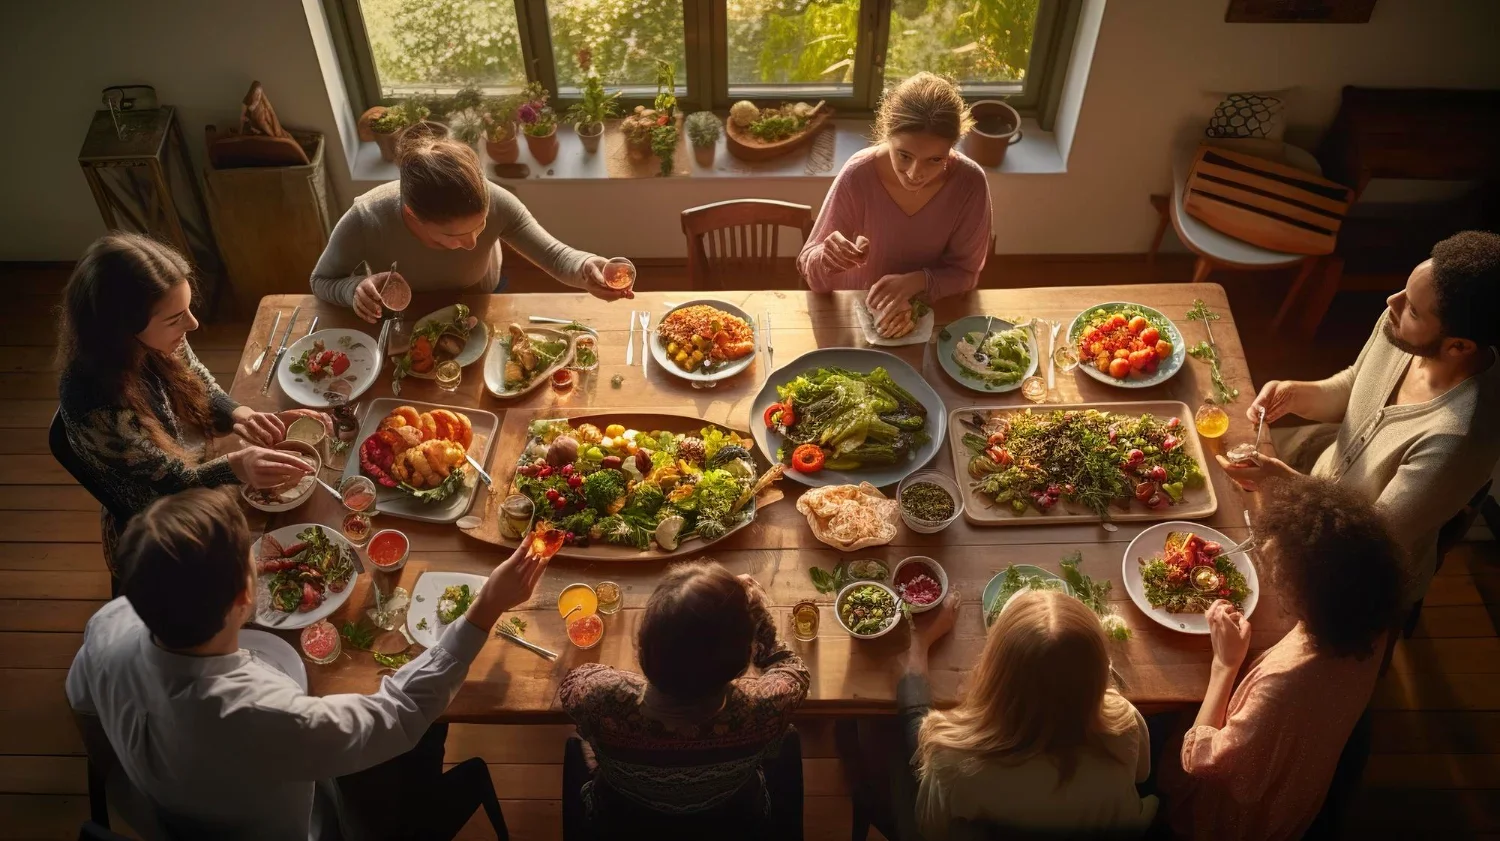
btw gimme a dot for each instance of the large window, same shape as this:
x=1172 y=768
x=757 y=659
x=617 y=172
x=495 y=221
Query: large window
x=844 y=51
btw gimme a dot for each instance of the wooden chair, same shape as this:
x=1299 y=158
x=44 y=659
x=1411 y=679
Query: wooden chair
x=1449 y=536
x=733 y=244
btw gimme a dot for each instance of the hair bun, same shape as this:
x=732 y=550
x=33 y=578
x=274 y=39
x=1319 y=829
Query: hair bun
x=418 y=139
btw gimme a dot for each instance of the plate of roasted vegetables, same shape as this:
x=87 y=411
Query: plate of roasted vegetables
x=841 y=416
x=449 y=333
x=1127 y=345
x=522 y=358
x=417 y=455
x=705 y=341
x=633 y=486
x=1174 y=571
x=1083 y=463
x=303 y=573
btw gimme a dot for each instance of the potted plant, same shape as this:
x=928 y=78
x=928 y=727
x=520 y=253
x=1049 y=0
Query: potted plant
x=637 y=129
x=595 y=106
x=539 y=122
x=499 y=116
x=388 y=127
x=467 y=126
x=703 y=132
x=664 y=144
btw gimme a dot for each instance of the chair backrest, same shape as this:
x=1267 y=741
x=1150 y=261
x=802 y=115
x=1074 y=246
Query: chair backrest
x=1454 y=530
x=62 y=450
x=729 y=242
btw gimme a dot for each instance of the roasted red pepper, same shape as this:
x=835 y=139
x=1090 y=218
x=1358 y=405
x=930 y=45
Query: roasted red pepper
x=779 y=414
x=807 y=458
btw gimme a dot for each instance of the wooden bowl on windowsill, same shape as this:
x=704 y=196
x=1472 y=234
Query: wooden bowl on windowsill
x=747 y=147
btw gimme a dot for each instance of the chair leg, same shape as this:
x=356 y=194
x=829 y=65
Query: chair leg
x=1201 y=269
x=1301 y=318
x=98 y=800
x=1164 y=218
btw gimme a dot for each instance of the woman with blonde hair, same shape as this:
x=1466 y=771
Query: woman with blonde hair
x=1040 y=741
x=443 y=223
x=909 y=216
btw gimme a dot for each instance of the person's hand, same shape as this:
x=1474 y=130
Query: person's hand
x=259 y=467
x=895 y=323
x=841 y=255
x=262 y=428
x=593 y=281
x=367 y=303
x=1276 y=397
x=929 y=627
x=1249 y=474
x=895 y=290
x=510 y=584
x=1229 y=631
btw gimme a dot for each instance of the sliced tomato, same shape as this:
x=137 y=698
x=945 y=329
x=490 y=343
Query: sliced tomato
x=808 y=458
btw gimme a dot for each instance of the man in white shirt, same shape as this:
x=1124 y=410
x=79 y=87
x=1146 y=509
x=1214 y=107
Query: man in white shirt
x=221 y=744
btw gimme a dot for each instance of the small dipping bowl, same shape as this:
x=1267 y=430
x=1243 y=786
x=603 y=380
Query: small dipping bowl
x=934 y=571
x=388 y=550
x=943 y=481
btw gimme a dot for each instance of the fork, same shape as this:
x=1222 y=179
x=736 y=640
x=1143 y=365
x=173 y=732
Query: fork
x=645 y=337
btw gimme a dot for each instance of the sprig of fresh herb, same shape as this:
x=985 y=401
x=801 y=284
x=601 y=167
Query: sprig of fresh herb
x=1095 y=595
x=357 y=636
x=391 y=661
x=515 y=626
x=1205 y=352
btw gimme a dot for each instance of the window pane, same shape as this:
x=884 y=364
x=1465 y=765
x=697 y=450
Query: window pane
x=979 y=42
x=625 y=38
x=444 y=42
x=792 y=42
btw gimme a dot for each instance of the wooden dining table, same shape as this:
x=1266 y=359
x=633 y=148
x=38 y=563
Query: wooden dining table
x=1157 y=668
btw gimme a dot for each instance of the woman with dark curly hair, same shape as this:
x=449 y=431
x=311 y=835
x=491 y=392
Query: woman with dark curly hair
x=1259 y=757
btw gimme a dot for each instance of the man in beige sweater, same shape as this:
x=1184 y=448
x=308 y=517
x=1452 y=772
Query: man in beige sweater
x=1418 y=414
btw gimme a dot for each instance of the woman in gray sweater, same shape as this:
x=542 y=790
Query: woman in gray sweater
x=442 y=223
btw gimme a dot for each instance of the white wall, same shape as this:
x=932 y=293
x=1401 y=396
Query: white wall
x=1153 y=60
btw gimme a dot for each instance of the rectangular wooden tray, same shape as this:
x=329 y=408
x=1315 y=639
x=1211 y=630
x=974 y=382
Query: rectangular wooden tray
x=397 y=504
x=1197 y=503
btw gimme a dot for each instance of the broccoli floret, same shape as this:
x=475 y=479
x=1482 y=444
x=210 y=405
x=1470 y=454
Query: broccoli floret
x=602 y=487
x=644 y=500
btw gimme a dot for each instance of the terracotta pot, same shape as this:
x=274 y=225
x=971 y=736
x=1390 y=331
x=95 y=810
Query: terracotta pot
x=589 y=134
x=503 y=151
x=543 y=148
x=367 y=134
x=638 y=148
x=387 y=143
x=705 y=156
x=996 y=127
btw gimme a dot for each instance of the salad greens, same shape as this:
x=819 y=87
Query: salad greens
x=868 y=610
x=454 y=603
x=1008 y=352
x=1093 y=594
x=858 y=420
x=845 y=572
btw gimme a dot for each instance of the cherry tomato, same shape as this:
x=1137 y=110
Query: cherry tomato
x=1144 y=490
x=1138 y=359
x=1115 y=322
x=1137 y=324
x=1164 y=349
x=1149 y=336
x=1119 y=368
x=1122 y=353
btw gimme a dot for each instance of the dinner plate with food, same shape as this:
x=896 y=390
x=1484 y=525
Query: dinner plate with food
x=903 y=323
x=438 y=600
x=452 y=332
x=985 y=354
x=303 y=573
x=417 y=455
x=1127 y=345
x=522 y=358
x=1014 y=580
x=842 y=416
x=704 y=340
x=337 y=361
x=626 y=486
x=1174 y=571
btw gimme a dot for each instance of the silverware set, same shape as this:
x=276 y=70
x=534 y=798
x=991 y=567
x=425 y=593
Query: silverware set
x=261 y=358
x=265 y=387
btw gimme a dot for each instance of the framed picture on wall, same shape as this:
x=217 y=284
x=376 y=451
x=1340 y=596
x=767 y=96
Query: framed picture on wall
x=1299 y=11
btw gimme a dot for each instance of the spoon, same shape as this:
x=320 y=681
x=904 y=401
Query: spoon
x=979 y=355
x=576 y=608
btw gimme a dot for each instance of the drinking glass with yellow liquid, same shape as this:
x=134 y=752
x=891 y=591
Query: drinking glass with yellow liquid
x=805 y=621
x=1211 y=420
x=448 y=375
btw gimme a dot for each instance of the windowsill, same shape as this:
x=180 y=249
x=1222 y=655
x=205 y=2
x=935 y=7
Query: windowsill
x=1035 y=154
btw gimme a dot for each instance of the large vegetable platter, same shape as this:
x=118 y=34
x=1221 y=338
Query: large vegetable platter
x=1139 y=332
x=874 y=417
x=448 y=500
x=1080 y=463
x=632 y=486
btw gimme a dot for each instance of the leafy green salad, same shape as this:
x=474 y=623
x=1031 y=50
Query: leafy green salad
x=1000 y=360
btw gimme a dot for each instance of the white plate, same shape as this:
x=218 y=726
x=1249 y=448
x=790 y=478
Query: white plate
x=276 y=653
x=479 y=338
x=494 y=361
x=267 y=617
x=364 y=367
x=1149 y=543
x=424 y=601
x=659 y=349
x=399 y=504
x=919 y=334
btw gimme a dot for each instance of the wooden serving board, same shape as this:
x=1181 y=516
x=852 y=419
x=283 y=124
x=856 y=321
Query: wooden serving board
x=747 y=147
x=490 y=532
x=1197 y=503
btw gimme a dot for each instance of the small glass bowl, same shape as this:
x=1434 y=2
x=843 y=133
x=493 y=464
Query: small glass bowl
x=943 y=481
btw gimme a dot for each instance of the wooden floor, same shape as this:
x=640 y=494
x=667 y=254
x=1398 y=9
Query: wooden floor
x=1435 y=772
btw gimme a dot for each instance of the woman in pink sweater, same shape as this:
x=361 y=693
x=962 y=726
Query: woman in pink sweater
x=909 y=216
x=1258 y=760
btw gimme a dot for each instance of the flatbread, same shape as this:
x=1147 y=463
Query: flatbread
x=850 y=517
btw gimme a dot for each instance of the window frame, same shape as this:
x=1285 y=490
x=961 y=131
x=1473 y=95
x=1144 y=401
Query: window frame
x=706 y=80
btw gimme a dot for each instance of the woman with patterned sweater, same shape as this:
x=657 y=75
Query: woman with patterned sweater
x=136 y=404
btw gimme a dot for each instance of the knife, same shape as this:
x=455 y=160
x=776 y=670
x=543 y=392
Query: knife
x=270 y=337
x=482 y=475
x=547 y=319
x=280 y=351
x=630 y=345
x=314 y=327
